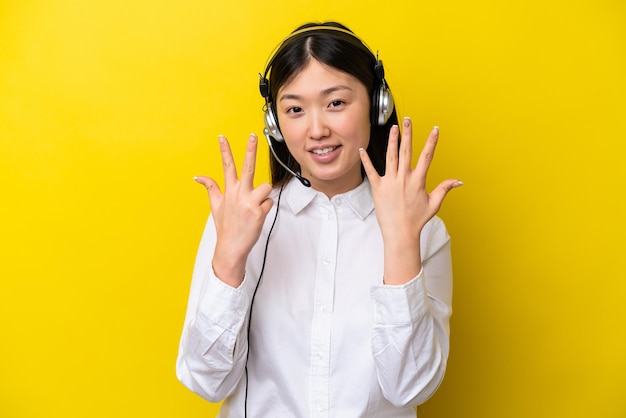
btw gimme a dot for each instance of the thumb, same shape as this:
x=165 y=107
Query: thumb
x=215 y=194
x=368 y=167
x=440 y=192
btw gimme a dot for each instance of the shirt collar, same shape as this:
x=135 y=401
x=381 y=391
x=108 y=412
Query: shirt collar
x=359 y=199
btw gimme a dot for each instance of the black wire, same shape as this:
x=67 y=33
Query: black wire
x=280 y=193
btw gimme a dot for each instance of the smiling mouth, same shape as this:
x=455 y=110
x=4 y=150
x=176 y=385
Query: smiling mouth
x=324 y=151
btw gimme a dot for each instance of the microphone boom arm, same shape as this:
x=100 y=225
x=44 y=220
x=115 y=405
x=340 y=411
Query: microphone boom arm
x=304 y=181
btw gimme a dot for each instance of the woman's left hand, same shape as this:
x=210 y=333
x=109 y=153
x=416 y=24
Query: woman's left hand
x=403 y=206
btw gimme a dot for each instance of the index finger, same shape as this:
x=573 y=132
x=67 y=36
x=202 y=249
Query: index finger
x=249 y=161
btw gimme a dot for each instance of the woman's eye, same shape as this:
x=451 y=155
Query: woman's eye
x=294 y=109
x=336 y=103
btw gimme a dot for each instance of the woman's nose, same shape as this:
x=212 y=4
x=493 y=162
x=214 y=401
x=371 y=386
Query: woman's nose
x=318 y=126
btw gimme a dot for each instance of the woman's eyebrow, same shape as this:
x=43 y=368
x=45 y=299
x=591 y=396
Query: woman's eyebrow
x=334 y=89
x=325 y=92
x=289 y=97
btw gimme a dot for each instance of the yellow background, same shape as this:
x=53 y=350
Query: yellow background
x=108 y=108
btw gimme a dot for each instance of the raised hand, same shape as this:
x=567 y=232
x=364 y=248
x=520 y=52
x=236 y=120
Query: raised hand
x=403 y=206
x=238 y=213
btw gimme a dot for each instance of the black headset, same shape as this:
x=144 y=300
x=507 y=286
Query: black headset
x=382 y=100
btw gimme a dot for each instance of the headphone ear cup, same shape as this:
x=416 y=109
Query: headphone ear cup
x=382 y=105
x=271 y=123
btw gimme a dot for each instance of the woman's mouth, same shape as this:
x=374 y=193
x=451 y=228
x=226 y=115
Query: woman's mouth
x=324 y=151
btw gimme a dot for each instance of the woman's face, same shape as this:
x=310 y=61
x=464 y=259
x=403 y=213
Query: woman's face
x=324 y=116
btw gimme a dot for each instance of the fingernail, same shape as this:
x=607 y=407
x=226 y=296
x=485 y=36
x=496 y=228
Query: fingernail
x=436 y=130
x=457 y=184
x=407 y=121
x=252 y=138
x=221 y=138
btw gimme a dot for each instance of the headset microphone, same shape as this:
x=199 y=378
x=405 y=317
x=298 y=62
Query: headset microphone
x=305 y=182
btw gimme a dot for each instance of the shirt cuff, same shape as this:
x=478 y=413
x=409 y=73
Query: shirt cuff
x=400 y=304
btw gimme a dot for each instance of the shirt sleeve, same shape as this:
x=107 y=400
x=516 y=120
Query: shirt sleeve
x=411 y=335
x=213 y=345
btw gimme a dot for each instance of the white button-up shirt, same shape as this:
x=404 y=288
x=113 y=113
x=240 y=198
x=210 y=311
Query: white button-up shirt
x=327 y=338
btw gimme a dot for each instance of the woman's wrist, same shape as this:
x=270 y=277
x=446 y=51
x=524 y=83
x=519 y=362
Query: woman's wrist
x=402 y=261
x=229 y=269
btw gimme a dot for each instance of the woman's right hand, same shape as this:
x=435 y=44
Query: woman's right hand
x=239 y=212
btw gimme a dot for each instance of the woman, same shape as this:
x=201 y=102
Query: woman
x=331 y=300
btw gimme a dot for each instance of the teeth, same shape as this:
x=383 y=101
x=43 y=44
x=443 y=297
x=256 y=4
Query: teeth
x=324 y=150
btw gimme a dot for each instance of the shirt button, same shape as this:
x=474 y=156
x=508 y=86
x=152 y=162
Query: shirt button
x=324 y=308
x=338 y=201
x=320 y=407
x=326 y=262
